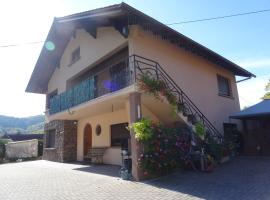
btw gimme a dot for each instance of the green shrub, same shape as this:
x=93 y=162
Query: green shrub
x=214 y=149
x=200 y=130
x=143 y=130
x=164 y=148
x=167 y=151
x=158 y=88
x=2 y=149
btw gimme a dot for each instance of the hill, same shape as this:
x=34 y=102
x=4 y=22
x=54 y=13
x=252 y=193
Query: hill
x=14 y=125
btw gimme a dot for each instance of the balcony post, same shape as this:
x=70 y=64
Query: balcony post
x=132 y=69
x=136 y=149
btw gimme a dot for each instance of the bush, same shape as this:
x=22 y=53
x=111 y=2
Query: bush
x=143 y=130
x=214 y=149
x=164 y=149
x=200 y=130
x=2 y=149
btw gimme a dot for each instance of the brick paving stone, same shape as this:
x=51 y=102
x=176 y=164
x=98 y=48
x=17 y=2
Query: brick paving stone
x=244 y=178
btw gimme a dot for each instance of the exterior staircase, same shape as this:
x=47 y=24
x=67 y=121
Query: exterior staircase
x=186 y=109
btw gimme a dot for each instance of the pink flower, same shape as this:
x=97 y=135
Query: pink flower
x=145 y=173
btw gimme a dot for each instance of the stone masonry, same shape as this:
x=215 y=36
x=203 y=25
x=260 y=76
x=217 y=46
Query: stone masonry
x=65 y=149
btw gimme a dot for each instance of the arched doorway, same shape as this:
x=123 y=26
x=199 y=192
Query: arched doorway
x=87 y=139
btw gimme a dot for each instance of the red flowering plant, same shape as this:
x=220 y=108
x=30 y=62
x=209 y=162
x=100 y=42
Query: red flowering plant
x=165 y=151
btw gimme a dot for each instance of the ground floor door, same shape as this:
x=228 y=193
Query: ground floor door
x=87 y=139
x=256 y=137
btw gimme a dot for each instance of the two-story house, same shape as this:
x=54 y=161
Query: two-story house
x=88 y=69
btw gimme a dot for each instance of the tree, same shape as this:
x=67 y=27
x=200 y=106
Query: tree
x=267 y=89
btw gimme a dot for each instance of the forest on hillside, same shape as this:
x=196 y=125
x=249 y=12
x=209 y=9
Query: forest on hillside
x=25 y=125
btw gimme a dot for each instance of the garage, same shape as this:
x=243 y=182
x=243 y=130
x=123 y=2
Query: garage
x=256 y=129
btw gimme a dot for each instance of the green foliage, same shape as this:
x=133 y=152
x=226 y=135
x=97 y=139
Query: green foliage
x=200 y=130
x=151 y=85
x=214 y=149
x=267 y=96
x=13 y=125
x=143 y=130
x=267 y=89
x=3 y=141
x=2 y=149
x=157 y=88
x=166 y=151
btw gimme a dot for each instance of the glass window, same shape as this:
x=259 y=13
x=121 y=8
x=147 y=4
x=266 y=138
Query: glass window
x=119 y=135
x=50 y=139
x=75 y=56
x=224 y=87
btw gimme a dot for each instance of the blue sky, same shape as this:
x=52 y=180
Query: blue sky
x=244 y=40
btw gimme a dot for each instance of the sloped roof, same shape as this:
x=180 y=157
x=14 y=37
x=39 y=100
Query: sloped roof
x=258 y=110
x=120 y=16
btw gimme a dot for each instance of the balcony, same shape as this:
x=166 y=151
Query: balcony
x=111 y=79
x=123 y=74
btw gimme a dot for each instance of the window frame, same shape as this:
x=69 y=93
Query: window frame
x=50 y=143
x=111 y=139
x=75 y=56
x=228 y=83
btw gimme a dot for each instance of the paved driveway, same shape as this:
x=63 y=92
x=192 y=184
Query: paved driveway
x=244 y=178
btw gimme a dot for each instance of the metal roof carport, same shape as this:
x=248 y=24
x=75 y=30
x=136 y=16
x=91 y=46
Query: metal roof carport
x=256 y=128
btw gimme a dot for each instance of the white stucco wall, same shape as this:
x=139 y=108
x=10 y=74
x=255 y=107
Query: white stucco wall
x=112 y=154
x=91 y=50
x=194 y=74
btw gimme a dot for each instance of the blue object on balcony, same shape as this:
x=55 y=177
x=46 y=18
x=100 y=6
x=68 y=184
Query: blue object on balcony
x=66 y=99
x=55 y=104
x=84 y=91
x=92 y=88
x=89 y=89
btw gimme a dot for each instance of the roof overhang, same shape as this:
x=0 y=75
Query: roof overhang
x=120 y=16
x=251 y=116
x=259 y=110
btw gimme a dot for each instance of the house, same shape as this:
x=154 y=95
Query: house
x=256 y=128
x=88 y=69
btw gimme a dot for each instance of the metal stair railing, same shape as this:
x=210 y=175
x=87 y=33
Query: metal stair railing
x=186 y=106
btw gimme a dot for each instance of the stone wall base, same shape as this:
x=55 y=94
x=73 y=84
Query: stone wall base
x=65 y=149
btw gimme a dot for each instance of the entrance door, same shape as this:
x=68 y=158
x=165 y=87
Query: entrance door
x=87 y=139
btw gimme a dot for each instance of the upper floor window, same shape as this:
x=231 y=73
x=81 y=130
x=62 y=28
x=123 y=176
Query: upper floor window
x=224 y=86
x=75 y=56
